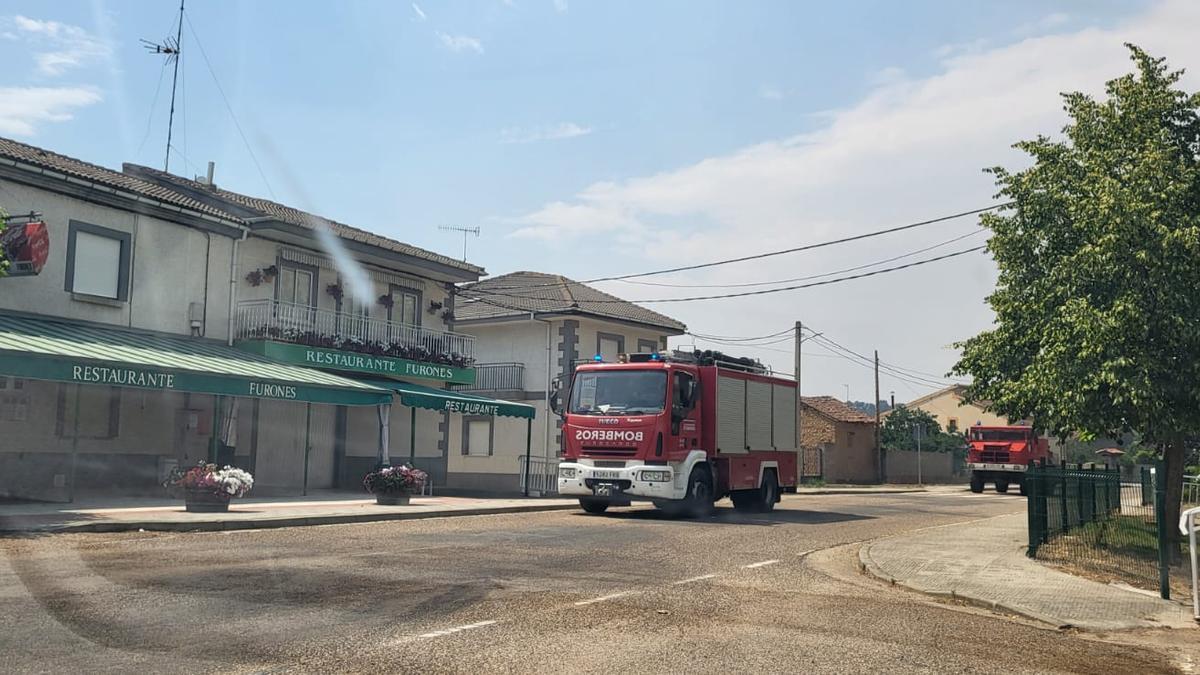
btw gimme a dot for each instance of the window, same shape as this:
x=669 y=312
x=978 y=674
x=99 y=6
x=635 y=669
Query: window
x=609 y=346
x=619 y=392
x=647 y=346
x=682 y=382
x=99 y=411
x=406 y=306
x=296 y=285
x=477 y=436
x=97 y=261
x=952 y=425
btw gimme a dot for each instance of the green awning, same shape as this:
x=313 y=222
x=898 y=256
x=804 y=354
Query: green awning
x=416 y=396
x=51 y=349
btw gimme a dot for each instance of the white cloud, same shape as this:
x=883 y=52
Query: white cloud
x=560 y=5
x=22 y=109
x=417 y=10
x=556 y=132
x=911 y=149
x=460 y=43
x=1046 y=23
x=58 y=47
x=770 y=93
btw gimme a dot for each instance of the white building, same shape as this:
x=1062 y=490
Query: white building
x=530 y=330
x=175 y=321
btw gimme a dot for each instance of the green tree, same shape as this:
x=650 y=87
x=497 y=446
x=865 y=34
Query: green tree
x=899 y=432
x=1097 y=327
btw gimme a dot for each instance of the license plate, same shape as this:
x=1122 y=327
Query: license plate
x=603 y=490
x=606 y=475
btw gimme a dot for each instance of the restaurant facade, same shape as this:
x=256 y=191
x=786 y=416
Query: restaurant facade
x=174 y=322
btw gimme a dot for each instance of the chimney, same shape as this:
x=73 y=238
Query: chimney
x=209 y=181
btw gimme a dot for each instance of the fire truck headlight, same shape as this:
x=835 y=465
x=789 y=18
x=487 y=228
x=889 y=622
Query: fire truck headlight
x=656 y=476
x=566 y=473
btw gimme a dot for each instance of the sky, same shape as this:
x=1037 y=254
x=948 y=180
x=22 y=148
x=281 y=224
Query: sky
x=594 y=139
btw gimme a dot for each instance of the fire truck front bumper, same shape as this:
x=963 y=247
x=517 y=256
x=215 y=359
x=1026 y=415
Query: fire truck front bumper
x=631 y=482
x=988 y=466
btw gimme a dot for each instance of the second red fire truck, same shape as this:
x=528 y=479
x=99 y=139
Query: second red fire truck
x=680 y=431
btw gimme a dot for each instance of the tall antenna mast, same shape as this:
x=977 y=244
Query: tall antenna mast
x=465 y=231
x=172 y=50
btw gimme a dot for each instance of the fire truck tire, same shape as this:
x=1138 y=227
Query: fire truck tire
x=768 y=494
x=1001 y=486
x=976 y=483
x=699 y=500
x=593 y=506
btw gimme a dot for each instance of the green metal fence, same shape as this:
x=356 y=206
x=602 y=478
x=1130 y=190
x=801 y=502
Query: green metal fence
x=1091 y=521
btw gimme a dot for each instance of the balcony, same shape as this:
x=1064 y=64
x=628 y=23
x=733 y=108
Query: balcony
x=493 y=377
x=332 y=339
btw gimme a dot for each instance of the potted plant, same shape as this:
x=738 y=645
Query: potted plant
x=335 y=291
x=386 y=300
x=207 y=489
x=394 y=485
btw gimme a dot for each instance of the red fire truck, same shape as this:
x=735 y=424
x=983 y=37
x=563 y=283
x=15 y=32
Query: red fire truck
x=681 y=431
x=1001 y=455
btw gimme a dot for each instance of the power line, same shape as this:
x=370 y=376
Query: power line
x=828 y=343
x=759 y=256
x=766 y=291
x=812 y=276
x=229 y=107
x=726 y=338
x=153 y=104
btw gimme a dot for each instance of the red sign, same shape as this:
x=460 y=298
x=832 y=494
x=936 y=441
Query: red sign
x=26 y=247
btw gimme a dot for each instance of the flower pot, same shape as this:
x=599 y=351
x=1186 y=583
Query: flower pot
x=392 y=500
x=205 y=502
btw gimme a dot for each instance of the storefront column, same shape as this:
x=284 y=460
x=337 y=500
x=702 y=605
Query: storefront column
x=412 y=438
x=528 y=449
x=74 y=445
x=383 y=457
x=307 y=444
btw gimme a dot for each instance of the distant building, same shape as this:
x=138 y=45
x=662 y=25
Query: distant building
x=842 y=436
x=947 y=406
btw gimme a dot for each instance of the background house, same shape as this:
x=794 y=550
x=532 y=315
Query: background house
x=530 y=329
x=949 y=409
x=844 y=438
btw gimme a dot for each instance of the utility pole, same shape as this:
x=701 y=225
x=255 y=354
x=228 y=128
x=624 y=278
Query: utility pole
x=878 y=446
x=799 y=446
x=893 y=407
x=919 y=481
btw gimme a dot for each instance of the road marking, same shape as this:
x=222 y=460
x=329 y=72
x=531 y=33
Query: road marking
x=694 y=579
x=602 y=598
x=759 y=564
x=456 y=629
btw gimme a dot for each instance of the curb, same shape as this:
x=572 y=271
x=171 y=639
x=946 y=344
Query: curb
x=869 y=566
x=270 y=523
x=853 y=491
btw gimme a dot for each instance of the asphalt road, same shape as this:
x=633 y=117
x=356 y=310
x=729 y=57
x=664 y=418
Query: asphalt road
x=555 y=591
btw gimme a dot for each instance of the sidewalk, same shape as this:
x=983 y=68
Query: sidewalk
x=850 y=489
x=121 y=515
x=984 y=562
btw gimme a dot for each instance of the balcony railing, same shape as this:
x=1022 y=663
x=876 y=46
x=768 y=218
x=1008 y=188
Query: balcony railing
x=497 y=377
x=301 y=324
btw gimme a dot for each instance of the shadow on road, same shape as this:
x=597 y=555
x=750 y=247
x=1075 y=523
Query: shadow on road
x=729 y=516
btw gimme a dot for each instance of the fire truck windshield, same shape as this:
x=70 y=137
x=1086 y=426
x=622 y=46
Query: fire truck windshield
x=998 y=435
x=619 y=392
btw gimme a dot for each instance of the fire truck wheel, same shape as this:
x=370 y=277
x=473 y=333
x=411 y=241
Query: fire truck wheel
x=1022 y=487
x=593 y=506
x=976 y=483
x=1001 y=486
x=699 y=498
x=768 y=494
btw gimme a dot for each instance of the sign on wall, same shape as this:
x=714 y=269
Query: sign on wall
x=358 y=363
x=26 y=246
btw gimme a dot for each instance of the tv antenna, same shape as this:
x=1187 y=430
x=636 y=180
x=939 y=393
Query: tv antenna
x=172 y=49
x=465 y=231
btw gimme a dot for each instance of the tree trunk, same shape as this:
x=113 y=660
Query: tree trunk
x=1173 y=459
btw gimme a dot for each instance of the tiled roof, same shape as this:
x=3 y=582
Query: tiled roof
x=74 y=168
x=520 y=293
x=836 y=410
x=304 y=219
